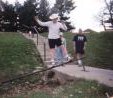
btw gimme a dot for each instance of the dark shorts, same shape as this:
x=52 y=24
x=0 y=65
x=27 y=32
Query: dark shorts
x=54 y=42
x=81 y=51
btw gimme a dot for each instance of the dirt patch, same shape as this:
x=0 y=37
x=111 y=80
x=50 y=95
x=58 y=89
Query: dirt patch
x=47 y=84
x=26 y=89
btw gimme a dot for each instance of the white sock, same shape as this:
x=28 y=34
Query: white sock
x=52 y=60
x=80 y=62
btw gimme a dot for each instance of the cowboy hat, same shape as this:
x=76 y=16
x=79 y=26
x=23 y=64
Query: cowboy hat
x=54 y=16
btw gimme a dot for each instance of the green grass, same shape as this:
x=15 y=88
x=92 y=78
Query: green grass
x=35 y=95
x=99 y=49
x=84 y=89
x=18 y=55
x=77 y=89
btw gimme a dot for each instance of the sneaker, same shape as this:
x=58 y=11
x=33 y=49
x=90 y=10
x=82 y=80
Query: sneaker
x=69 y=58
x=53 y=62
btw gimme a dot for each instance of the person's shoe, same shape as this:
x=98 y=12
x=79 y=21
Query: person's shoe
x=53 y=62
x=69 y=58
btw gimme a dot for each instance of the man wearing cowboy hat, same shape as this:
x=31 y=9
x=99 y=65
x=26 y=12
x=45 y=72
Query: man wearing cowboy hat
x=54 y=34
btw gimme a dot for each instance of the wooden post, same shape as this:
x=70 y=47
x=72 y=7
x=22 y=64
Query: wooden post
x=37 y=34
x=83 y=67
x=37 y=38
x=44 y=51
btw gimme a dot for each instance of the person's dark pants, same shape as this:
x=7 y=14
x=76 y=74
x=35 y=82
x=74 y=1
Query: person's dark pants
x=54 y=42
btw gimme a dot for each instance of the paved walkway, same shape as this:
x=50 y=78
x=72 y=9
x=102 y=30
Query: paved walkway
x=101 y=75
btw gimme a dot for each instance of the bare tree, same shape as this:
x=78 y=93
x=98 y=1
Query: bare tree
x=108 y=12
x=106 y=15
x=109 y=7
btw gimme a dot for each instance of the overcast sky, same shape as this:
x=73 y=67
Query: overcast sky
x=84 y=14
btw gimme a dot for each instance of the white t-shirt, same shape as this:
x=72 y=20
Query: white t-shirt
x=54 y=28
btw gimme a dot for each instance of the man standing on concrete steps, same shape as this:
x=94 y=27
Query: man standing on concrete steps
x=54 y=34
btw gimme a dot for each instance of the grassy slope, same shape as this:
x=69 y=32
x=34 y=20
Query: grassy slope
x=99 y=50
x=17 y=55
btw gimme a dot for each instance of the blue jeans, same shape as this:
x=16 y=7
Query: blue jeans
x=59 y=55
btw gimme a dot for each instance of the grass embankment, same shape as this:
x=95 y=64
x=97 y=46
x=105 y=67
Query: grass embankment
x=18 y=55
x=99 y=49
x=99 y=52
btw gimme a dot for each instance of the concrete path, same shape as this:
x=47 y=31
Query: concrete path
x=101 y=75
